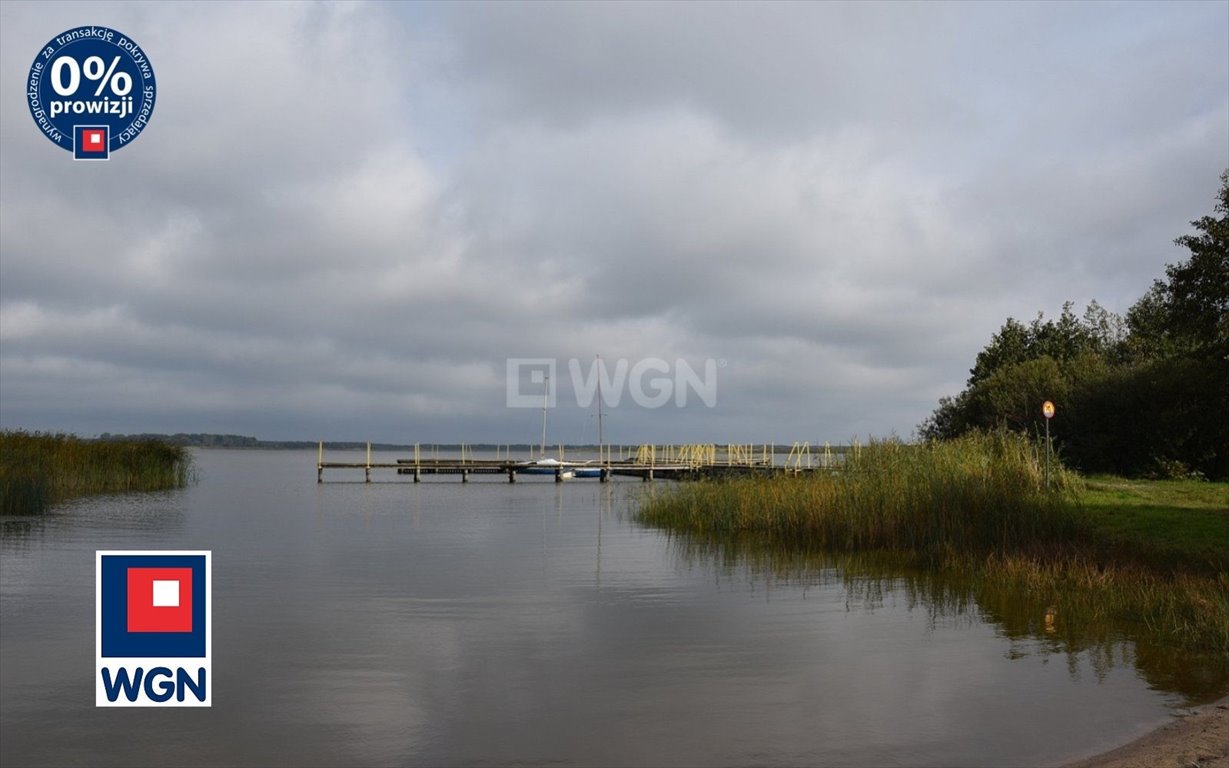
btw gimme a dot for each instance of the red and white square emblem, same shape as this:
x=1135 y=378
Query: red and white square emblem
x=159 y=599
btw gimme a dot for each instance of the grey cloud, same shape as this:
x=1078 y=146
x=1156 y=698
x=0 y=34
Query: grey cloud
x=343 y=226
x=771 y=69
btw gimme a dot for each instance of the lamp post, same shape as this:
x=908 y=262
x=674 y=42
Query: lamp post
x=1047 y=410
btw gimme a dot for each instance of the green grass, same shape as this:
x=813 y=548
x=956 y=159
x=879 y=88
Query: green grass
x=38 y=470
x=1180 y=524
x=1147 y=556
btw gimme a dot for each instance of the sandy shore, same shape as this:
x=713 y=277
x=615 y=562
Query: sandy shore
x=1199 y=739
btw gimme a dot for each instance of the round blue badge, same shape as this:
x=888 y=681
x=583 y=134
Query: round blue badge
x=91 y=91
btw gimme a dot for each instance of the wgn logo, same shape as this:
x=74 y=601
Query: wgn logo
x=530 y=382
x=153 y=629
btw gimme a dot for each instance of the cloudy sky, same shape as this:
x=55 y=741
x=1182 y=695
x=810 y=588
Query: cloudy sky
x=343 y=220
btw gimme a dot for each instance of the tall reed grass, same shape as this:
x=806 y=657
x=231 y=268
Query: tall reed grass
x=978 y=508
x=39 y=469
x=980 y=492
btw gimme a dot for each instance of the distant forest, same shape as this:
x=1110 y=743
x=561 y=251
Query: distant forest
x=202 y=440
x=206 y=440
x=1145 y=394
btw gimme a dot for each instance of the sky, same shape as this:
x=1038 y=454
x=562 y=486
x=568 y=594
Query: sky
x=351 y=221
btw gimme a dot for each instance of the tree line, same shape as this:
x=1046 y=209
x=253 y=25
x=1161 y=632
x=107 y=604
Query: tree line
x=1142 y=394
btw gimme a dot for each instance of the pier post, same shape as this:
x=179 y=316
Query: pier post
x=320 y=463
x=511 y=475
x=559 y=475
x=465 y=475
x=417 y=478
x=604 y=475
x=368 y=468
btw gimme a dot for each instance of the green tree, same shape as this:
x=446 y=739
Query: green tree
x=1144 y=394
x=1011 y=397
x=1010 y=346
x=1188 y=313
x=1199 y=287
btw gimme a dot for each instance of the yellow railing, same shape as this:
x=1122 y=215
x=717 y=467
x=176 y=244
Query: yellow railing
x=799 y=457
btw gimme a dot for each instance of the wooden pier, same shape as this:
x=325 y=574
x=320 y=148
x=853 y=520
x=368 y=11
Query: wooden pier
x=510 y=469
x=649 y=462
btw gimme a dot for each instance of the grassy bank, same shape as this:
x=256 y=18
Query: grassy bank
x=1178 y=524
x=1103 y=550
x=38 y=470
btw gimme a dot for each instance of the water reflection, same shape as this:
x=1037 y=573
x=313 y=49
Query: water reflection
x=15 y=533
x=1066 y=625
x=533 y=623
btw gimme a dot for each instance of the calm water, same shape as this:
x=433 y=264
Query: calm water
x=531 y=623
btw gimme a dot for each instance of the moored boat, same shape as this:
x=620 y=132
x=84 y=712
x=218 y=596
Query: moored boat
x=546 y=467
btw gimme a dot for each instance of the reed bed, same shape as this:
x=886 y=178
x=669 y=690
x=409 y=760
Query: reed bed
x=39 y=469
x=980 y=492
x=975 y=512
x=1183 y=610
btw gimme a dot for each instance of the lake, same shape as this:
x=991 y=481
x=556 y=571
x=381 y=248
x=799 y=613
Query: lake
x=533 y=623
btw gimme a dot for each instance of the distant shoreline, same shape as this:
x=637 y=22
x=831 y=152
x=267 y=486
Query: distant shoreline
x=207 y=440
x=210 y=440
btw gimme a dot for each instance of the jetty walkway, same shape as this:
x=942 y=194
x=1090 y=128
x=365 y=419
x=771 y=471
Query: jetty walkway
x=648 y=462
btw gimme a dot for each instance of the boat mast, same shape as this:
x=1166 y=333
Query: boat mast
x=600 y=443
x=545 y=401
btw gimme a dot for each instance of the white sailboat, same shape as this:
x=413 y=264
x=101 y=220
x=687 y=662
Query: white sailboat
x=596 y=471
x=545 y=466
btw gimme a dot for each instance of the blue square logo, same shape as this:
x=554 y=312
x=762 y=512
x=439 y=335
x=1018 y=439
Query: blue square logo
x=132 y=624
x=154 y=617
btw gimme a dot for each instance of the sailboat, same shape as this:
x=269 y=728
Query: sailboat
x=545 y=466
x=589 y=470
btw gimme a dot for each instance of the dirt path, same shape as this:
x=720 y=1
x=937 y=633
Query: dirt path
x=1196 y=740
